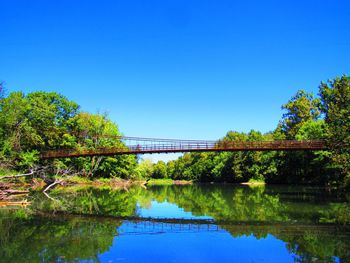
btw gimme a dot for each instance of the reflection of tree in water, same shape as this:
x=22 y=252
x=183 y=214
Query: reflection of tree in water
x=316 y=247
x=294 y=222
x=254 y=204
x=224 y=203
x=90 y=201
x=309 y=243
x=247 y=211
x=74 y=238
x=37 y=239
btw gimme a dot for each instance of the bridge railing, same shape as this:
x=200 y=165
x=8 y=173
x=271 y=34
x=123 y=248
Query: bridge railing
x=231 y=145
x=166 y=146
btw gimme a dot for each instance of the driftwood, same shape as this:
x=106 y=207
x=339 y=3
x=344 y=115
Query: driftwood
x=60 y=181
x=4 y=186
x=6 y=193
x=16 y=192
x=3 y=189
x=16 y=175
x=53 y=184
x=20 y=203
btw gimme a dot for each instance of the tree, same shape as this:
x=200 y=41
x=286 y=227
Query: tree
x=159 y=170
x=48 y=115
x=91 y=131
x=36 y=121
x=300 y=109
x=145 y=168
x=13 y=123
x=41 y=121
x=335 y=104
x=312 y=130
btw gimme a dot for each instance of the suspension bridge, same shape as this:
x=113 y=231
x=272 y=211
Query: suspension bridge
x=121 y=145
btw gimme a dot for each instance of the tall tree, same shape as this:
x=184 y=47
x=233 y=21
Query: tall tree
x=90 y=131
x=335 y=104
x=159 y=170
x=300 y=109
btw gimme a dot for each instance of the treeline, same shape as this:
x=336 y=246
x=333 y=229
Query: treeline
x=306 y=117
x=38 y=121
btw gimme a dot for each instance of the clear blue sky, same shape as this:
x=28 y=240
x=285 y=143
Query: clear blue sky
x=175 y=69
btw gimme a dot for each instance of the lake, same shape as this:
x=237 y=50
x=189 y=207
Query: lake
x=187 y=223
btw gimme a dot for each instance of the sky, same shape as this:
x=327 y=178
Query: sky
x=175 y=69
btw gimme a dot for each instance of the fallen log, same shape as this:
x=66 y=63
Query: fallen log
x=16 y=175
x=6 y=193
x=15 y=192
x=4 y=186
x=18 y=203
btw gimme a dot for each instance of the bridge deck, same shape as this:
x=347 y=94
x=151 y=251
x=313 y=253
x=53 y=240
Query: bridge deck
x=174 y=146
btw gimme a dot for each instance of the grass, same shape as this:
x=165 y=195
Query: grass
x=253 y=181
x=160 y=182
x=79 y=180
x=165 y=181
x=4 y=172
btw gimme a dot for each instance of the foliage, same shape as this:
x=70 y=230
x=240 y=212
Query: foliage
x=29 y=158
x=300 y=109
x=160 y=182
x=144 y=169
x=159 y=170
x=335 y=101
x=35 y=239
x=256 y=181
x=42 y=121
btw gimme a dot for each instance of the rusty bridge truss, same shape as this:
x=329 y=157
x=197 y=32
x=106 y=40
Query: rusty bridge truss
x=136 y=145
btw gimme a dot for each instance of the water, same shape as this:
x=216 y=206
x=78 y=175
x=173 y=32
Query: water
x=199 y=223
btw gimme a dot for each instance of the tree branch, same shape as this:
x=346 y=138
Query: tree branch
x=53 y=184
x=17 y=175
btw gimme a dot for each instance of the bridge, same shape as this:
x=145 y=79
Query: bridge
x=136 y=145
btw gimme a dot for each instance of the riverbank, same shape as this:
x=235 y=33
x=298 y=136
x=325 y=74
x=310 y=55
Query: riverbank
x=168 y=182
x=124 y=183
x=13 y=186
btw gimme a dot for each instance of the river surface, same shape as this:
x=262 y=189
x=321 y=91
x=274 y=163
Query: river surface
x=192 y=223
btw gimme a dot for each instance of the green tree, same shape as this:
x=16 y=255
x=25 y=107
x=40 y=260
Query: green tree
x=159 y=170
x=144 y=169
x=335 y=101
x=93 y=131
x=300 y=109
x=35 y=121
x=48 y=116
x=42 y=121
x=312 y=130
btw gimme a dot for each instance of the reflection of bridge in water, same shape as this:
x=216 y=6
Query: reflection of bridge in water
x=139 y=226
x=154 y=226
x=165 y=225
x=136 y=145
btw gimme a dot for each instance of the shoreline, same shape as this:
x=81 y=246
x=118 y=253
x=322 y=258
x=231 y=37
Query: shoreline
x=253 y=183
